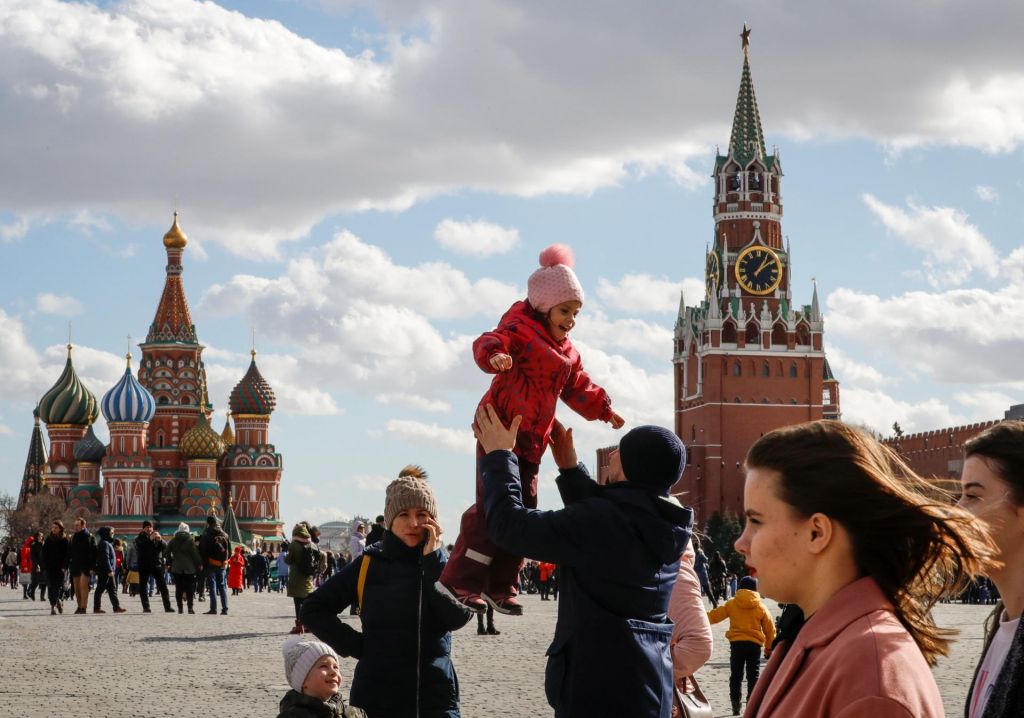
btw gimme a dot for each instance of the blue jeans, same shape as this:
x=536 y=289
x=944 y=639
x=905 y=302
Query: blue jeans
x=215 y=584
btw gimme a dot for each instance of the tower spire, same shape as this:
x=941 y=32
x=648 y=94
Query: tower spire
x=815 y=309
x=33 y=481
x=747 y=139
x=173 y=320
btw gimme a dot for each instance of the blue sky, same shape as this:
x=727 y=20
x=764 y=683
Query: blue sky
x=369 y=185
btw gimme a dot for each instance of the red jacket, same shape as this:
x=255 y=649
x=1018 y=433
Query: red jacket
x=26 y=557
x=542 y=371
x=546 y=570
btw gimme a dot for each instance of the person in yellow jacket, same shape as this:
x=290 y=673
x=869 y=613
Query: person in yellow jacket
x=750 y=629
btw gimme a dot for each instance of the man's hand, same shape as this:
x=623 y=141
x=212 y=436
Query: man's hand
x=616 y=421
x=501 y=362
x=562 y=449
x=491 y=433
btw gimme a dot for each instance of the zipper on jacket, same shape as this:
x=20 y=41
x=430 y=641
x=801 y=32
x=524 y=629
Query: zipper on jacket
x=419 y=637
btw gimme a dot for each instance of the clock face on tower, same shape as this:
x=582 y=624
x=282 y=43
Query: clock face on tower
x=758 y=270
x=712 y=273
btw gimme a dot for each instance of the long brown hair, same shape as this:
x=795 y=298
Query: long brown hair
x=907 y=535
x=1003 y=446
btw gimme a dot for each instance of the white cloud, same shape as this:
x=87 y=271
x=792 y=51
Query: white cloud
x=459 y=440
x=415 y=401
x=854 y=373
x=633 y=336
x=644 y=293
x=66 y=306
x=474 y=94
x=1013 y=265
x=953 y=247
x=304 y=490
x=476 y=237
x=15 y=230
x=879 y=410
x=986 y=193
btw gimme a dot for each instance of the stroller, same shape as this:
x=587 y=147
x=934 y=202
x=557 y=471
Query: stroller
x=275 y=581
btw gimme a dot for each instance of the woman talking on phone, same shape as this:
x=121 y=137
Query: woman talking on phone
x=404 y=667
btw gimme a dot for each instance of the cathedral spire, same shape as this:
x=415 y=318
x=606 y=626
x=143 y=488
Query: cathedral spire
x=173 y=320
x=815 y=309
x=747 y=139
x=35 y=465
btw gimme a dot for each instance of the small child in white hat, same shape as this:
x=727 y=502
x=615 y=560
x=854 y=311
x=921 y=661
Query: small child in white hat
x=311 y=668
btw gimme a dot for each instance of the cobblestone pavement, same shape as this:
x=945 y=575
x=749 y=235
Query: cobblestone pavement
x=137 y=665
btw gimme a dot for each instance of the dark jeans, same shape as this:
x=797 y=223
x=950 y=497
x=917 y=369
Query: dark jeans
x=55 y=583
x=184 y=589
x=743 y=655
x=38 y=581
x=105 y=582
x=298 y=605
x=215 y=585
x=158 y=575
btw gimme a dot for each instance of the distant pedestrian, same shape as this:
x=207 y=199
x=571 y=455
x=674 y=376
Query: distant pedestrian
x=259 y=568
x=311 y=668
x=840 y=526
x=38 y=569
x=751 y=630
x=992 y=489
x=186 y=564
x=236 y=571
x=213 y=547
x=25 y=568
x=82 y=562
x=105 y=563
x=282 y=567
x=303 y=560
x=544 y=571
x=716 y=572
x=357 y=541
x=700 y=565
x=56 y=551
x=376 y=531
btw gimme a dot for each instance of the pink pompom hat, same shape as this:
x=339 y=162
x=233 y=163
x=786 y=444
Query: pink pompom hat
x=554 y=282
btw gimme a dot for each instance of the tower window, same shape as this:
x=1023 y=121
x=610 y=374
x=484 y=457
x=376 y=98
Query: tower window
x=737 y=369
x=765 y=369
x=792 y=371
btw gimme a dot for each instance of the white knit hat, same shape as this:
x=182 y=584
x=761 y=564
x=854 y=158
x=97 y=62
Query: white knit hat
x=184 y=527
x=301 y=652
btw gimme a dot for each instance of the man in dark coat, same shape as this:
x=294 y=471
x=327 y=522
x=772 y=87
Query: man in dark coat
x=38 y=569
x=618 y=549
x=376 y=531
x=214 y=546
x=82 y=562
x=106 y=562
x=149 y=548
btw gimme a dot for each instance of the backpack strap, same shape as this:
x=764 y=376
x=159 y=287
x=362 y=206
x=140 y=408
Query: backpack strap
x=363 y=568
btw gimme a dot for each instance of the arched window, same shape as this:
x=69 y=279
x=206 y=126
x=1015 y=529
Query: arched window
x=792 y=370
x=737 y=368
x=729 y=333
x=779 y=333
x=765 y=369
x=753 y=333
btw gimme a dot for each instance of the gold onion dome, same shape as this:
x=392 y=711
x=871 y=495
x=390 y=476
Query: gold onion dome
x=175 y=238
x=227 y=436
x=253 y=394
x=201 y=441
x=68 y=401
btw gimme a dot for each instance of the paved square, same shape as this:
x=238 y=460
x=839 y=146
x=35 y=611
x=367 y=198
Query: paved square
x=137 y=665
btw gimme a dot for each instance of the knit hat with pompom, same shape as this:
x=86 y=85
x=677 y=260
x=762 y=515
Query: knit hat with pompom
x=301 y=653
x=554 y=282
x=409 y=491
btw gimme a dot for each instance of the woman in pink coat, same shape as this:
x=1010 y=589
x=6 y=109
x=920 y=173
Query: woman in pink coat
x=838 y=525
x=236 y=571
x=692 y=641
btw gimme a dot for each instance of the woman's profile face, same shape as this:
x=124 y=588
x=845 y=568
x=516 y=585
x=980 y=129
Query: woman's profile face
x=773 y=540
x=410 y=526
x=990 y=498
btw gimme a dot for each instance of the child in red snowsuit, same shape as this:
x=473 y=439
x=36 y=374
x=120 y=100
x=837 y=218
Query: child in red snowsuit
x=534 y=364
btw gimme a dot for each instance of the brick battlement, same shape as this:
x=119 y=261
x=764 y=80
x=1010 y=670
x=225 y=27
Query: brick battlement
x=939 y=452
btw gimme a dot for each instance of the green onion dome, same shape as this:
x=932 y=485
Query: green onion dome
x=201 y=441
x=68 y=401
x=89 y=448
x=253 y=394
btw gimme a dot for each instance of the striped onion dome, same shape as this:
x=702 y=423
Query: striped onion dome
x=253 y=394
x=201 y=441
x=68 y=401
x=128 y=400
x=89 y=448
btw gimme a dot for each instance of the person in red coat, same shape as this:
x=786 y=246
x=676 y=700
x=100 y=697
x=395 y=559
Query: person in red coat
x=534 y=364
x=236 y=571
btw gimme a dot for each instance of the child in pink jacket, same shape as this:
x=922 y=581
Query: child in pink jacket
x=534 y=365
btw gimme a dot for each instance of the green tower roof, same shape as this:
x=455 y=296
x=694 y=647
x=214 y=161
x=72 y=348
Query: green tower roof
x=747 y=139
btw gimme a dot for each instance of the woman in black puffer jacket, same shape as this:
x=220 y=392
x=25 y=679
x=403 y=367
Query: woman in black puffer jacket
x=404 y=667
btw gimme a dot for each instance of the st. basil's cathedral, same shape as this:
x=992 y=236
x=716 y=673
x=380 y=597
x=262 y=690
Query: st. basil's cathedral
x=164 y=463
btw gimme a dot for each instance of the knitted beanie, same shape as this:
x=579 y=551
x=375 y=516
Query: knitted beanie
x=749 y=583
x=652 y=456
x=184 y=527
x=409 y=491
x=301 y=652
x=554 y=282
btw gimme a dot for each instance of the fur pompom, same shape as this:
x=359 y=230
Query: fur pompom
x=413 y=471
x=557 y=254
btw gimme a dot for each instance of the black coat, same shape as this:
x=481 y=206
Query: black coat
x=36 y=551
x=399 y=593
x=375 y=535
x=149 y=551
x=299 y=705
x=55 y=553
x=618 y=551
x=1008 y=692
x=83 y=552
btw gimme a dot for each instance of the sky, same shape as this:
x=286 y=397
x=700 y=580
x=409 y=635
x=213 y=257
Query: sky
x=369 y=184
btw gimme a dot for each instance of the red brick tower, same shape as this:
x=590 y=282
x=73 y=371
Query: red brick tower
x=251 y=469
x=172 y=370
x=747 y=360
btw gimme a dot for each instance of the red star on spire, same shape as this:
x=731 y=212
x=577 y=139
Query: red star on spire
x=746 y=36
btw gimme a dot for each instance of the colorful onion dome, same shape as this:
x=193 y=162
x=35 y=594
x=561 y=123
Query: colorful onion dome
x=89 y=448
x=253 y=394
x=68 y=401
x=227 y=436
x=201 y=441
x=175 y=238
x=128 y=400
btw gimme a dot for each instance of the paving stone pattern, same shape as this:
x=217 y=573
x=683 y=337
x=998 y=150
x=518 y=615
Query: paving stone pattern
x=136 y=665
